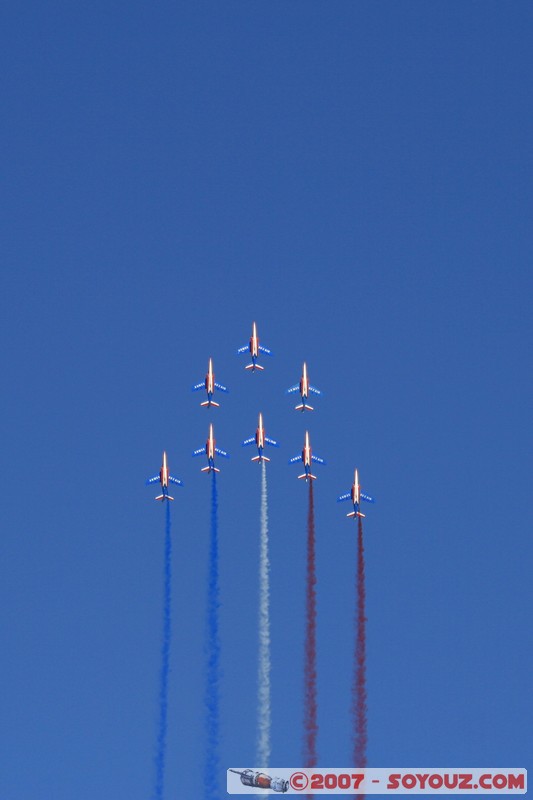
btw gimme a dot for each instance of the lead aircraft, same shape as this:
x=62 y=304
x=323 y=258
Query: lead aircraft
x=255 y=348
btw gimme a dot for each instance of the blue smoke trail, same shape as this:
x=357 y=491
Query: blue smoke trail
x=263 y=699
x=165 y=660
x=213 y=658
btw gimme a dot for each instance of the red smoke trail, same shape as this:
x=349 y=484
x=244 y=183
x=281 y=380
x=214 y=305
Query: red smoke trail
x=212 y=699
x=359 y=682
x=310 y=699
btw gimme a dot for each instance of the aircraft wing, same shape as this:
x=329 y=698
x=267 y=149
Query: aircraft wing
x=243 y=349
x=293 y=389
x=295 y=459
x=221 y=452
x=314 y=390
x=175 y=480
x=367 y=498
x=199 y=452
x=344 y=497
x=222 y=388
x=198 y=386
x=271 y=441
x=317 y=459
x=265 y=350
x=248 y=441
x=152 y=480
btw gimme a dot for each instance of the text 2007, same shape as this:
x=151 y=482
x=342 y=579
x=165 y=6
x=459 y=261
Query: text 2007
x=332 y=781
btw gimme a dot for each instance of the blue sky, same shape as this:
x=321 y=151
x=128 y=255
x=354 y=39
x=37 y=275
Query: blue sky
x=357 y=178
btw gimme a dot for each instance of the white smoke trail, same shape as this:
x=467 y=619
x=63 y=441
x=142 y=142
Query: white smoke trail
x=263 y=711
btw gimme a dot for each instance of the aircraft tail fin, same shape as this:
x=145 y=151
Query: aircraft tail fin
x=305 y=476
x=210 y=403
x=304 y=407
x=164 y=497
x=355 y=514
x=260 y=458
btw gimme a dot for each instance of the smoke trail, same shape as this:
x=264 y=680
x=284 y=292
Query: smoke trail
x=263 y=711
x=165 y=659
x=359 y=682
x=310 y=693
x=213 y=657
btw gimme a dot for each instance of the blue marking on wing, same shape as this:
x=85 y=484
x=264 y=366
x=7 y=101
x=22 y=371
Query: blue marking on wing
x=293 y=389
x=175 y=480
x=243 y=349
x=295 y=459
x=344 y=497
x=367 y=498
x=198 y=386
x=314 y=390
x=222 y=388
x=265 y=350
x=221 y=452
x=271 y=441
x=318 y=460
x=248 y=441
x=199 y=451
x=152 y=480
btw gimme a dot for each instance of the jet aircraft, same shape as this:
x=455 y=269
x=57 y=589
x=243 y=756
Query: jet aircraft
x=304 y=387
x=255 y=348
x=260 y=440
x=209 y=384
x=210 y=450
x=355 y=495
x=307 y=457
x=164 y=477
